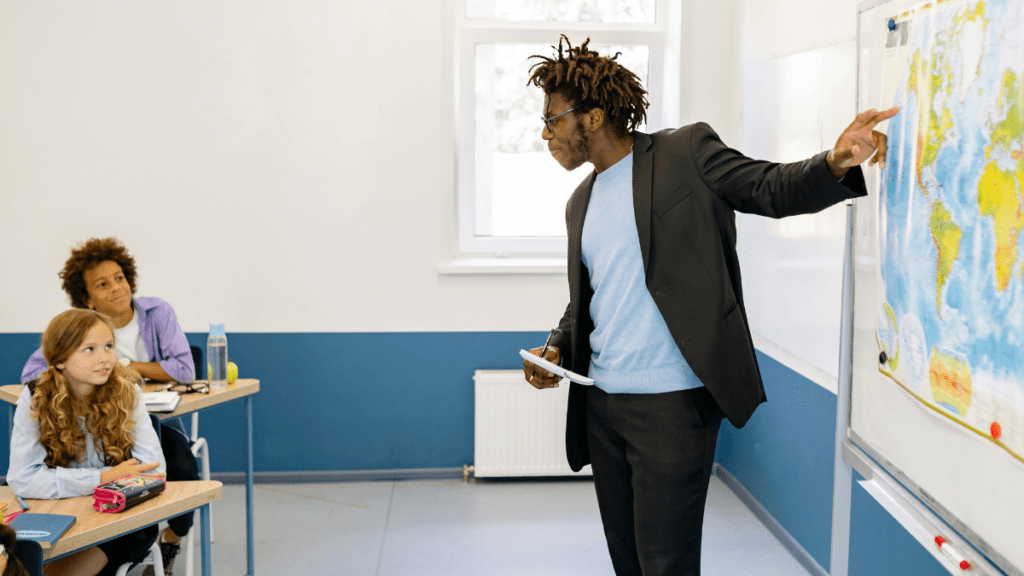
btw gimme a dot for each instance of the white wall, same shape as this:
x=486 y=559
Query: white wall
x=309 y=145
x=711 y=75
x=772 y=29
x=278 y=166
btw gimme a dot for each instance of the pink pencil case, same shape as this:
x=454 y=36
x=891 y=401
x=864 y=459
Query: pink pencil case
x=126 y=492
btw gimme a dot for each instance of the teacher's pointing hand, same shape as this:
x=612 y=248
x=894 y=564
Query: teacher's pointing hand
x=859 y=141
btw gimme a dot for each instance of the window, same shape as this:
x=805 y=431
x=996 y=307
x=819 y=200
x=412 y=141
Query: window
x=511 y=193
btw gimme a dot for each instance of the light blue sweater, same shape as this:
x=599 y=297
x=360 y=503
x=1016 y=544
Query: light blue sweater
x=633 y=351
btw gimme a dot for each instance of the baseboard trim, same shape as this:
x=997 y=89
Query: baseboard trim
x=307 y=476
x=783 y=536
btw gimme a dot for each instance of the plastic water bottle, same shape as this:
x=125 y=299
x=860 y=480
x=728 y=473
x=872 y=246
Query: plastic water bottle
x=217 y=357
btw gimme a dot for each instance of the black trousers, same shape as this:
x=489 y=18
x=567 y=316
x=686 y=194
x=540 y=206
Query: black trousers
x=131 y=547
x=181 y=465
x=652 y=456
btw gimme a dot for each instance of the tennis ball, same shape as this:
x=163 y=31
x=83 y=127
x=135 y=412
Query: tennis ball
x=232 y=372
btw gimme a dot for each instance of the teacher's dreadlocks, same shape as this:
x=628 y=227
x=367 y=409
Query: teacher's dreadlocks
x=589 y=80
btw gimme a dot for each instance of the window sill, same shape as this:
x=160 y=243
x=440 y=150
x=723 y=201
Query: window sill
x=503 y=266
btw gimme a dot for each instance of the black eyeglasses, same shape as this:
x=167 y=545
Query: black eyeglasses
x=547 y=120
x=189 y=388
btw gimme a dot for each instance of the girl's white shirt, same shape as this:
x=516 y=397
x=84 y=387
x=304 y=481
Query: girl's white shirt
x=30 y=477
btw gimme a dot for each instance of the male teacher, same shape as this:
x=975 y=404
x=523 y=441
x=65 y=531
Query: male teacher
x=656 y=313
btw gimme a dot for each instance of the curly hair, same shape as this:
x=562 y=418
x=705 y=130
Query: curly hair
x=108 y=413
x=88 y=254
x=588 y=80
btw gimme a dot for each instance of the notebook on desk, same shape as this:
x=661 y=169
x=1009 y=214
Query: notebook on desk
x=161 y=401
x=41 y=527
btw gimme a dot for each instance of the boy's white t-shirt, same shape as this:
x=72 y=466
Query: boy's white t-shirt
x=128 y=341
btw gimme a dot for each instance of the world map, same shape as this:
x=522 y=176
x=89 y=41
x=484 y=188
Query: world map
x=951 y=210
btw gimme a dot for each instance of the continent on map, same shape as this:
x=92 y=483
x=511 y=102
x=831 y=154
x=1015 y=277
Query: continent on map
x=999 y=197
x=999 y=192
x=932 y=79
x=1009 y=130
x=928 y=77
x=946 y=235
x=950 y=378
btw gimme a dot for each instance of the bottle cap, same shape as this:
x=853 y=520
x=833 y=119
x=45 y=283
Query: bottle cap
x=216 y=329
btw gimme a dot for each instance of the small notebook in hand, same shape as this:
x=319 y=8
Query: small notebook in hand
x=125 y=492
x=555 y=368
x=41 y=527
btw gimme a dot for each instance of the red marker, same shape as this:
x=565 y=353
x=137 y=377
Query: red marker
x=12 y=516
x=996 y=429
x=951 y=553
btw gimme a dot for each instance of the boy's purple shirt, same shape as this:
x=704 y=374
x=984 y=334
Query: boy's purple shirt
x=161 y=334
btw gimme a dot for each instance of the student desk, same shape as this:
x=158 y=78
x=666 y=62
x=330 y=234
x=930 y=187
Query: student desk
x=243 y=388
x=92 y=527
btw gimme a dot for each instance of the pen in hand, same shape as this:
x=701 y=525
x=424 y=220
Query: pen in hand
x=548 y=343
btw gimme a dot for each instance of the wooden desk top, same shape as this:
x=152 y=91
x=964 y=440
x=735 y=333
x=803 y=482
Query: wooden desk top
x=92 y=526
x=191 y=402
x=194 y=401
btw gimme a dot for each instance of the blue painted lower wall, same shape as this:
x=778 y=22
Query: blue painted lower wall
x=379 y=401
x=784 y=457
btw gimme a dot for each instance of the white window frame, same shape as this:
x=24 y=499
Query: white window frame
x=662 y=86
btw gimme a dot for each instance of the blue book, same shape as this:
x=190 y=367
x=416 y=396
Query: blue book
x=41 y=527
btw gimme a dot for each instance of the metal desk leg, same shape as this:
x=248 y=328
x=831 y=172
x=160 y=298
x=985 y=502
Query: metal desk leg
x=10 y=421
x=250 y=543
x=204 y=522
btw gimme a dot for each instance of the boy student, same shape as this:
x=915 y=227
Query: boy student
x=100 y=275
x=655 y=312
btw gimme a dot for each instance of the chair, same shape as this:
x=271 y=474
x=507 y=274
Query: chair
x=152 y=558
x=156 y=426
x=201 y=450
x=31 y=556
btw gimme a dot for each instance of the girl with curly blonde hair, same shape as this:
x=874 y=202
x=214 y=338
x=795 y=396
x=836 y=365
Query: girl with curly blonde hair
x=81 y=424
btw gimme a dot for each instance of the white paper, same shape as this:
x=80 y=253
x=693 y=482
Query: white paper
x=161 y=401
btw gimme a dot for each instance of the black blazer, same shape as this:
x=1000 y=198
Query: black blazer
x=687 y=187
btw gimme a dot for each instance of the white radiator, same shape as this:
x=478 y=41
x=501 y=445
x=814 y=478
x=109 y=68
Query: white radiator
x=519 y=430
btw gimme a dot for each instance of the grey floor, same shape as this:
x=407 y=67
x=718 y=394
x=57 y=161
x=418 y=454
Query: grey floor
x=428 y=527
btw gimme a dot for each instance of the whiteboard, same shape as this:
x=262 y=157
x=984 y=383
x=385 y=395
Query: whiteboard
x=793 y=108
x=973 y=482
